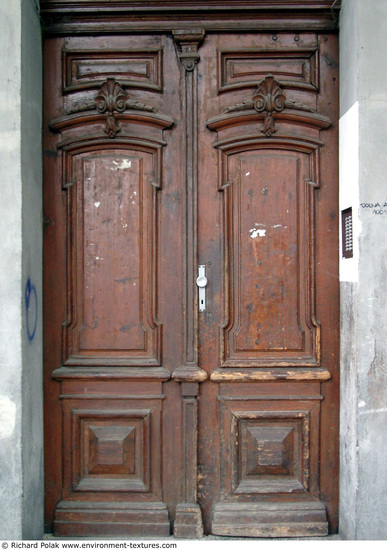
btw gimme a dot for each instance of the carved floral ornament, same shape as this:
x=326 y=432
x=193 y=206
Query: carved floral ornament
x=269 y=98
x=112 y=99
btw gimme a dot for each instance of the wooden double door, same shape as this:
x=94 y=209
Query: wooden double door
x=166 y=410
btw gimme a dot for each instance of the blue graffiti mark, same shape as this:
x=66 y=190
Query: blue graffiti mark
x=31 y=303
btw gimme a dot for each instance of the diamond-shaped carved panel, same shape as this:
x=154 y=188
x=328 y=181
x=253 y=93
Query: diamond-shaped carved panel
x=269 y=450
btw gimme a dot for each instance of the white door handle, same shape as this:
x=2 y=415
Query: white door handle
x=201 y=282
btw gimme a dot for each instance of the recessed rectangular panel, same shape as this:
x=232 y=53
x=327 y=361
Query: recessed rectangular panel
x=245 y=68
x=268 y=254
x=88 y=69
x=269 y=226
x=113 y=222
x=112 y=248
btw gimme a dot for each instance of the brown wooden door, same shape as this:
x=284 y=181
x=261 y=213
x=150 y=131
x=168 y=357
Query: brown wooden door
x=162 y=153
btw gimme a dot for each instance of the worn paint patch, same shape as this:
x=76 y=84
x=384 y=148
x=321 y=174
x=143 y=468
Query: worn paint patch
x=7 y=417
x=254 y=233
x=125 y=163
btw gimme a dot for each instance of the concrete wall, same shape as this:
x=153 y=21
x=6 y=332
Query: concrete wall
x=10 y=272
x=363 y=173
x=32 y=217
x=21 y=426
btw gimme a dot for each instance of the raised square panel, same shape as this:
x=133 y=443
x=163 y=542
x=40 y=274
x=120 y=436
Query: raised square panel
x=268 y=451
x=111 y=449
x=85 y=69
x=114 y=450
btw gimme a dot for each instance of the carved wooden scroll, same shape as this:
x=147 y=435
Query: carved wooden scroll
x=268 y=98
x=111 y=100
x=188 y=521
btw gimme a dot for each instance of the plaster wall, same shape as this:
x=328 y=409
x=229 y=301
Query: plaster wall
x=21 y=429
x=363 y=127
x=372 y=291
x=10 y=272
x=31 y=172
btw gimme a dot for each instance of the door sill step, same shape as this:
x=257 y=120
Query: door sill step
x=89 y=518
x=271 y=520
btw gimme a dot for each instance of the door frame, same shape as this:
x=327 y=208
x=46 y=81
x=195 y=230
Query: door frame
x=303 y=18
